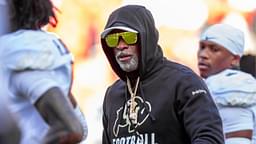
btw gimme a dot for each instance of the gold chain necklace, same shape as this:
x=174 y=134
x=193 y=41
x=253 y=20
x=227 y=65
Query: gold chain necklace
x=132 y=111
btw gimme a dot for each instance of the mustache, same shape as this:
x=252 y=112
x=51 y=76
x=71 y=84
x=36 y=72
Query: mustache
x=122 y=54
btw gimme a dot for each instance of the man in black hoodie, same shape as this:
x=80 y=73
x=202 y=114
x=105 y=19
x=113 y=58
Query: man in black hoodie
x=155 y=101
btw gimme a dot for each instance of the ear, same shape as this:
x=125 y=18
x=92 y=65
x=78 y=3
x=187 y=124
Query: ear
x=235 y=61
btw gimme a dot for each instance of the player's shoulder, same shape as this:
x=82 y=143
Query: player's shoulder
x=27 y=40
x=28 y=37
x=28 y=49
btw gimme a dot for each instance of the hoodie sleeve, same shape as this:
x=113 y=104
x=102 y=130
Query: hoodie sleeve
x=199 y=113
x=105 y=137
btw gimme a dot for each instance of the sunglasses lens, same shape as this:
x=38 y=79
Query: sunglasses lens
x=113 y=39
x=129 y=37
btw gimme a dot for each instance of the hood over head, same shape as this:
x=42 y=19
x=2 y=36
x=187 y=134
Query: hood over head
x=137 y=19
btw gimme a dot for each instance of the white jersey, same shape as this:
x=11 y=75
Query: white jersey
x=33 y=62
x=235 y=95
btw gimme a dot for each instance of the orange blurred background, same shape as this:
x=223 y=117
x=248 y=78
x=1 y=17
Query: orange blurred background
x=179 y=22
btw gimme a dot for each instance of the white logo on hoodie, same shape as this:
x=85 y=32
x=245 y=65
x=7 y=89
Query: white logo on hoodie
x=142 y=110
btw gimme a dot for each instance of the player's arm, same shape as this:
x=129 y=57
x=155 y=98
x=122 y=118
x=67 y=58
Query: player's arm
x=80 y=115
x=56 y=109
x=59 y=114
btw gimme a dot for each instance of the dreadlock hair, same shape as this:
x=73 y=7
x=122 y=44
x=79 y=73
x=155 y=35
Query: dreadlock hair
x=31 y=14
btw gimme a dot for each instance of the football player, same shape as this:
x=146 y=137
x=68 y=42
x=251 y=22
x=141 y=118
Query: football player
x=37 y=70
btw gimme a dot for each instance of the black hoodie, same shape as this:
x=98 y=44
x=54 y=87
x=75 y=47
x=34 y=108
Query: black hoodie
x=173 y=105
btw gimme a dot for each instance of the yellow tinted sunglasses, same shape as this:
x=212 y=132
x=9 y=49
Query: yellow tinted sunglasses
x=113 y=39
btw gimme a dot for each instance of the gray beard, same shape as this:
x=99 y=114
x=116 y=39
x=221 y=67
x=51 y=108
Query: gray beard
x=130 y=66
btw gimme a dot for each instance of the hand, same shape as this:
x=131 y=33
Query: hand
x=63 y=138
x=72 y=138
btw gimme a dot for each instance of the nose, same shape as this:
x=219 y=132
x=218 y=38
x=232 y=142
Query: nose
x=121 y=44
x=203 y=53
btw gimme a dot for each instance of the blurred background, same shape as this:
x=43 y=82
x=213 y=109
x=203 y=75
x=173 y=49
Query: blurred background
x=179 y=22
